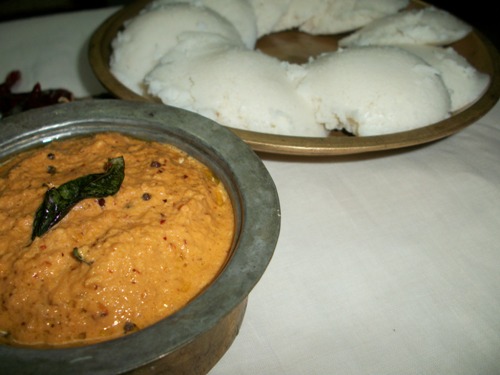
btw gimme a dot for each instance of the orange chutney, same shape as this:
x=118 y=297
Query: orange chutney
x=143 y=253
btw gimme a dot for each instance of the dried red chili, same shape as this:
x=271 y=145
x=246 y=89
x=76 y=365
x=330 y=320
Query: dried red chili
x=12 y=103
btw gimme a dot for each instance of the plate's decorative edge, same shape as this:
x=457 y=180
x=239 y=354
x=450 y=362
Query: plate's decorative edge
x=99 y=50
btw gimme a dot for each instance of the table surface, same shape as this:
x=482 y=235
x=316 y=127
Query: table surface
x=387 y=263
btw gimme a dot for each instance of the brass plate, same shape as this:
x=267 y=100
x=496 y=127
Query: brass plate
x=296 y=47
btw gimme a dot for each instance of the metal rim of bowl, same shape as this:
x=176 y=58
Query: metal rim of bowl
x=254 y=196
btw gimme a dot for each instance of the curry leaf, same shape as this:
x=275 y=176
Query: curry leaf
x=59 y=201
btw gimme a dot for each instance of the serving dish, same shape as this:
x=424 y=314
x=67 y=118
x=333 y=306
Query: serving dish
x=296 y=47
x=192 y=340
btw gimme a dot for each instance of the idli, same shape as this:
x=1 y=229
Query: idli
x=428 y=25
x=338 y=16
x=299 y=12
x=239 y=12
x=268 y=13
x=465 y=83
x=235 y=87
x=374 y=90
x=149 y=35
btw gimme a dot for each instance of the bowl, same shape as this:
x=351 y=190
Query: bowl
x=193 y=339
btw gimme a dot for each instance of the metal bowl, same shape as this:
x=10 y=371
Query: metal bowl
x=192 y=340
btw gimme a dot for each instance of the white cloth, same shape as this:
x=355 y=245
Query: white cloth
x=386 y=264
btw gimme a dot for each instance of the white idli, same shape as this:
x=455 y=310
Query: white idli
x=465 y=83
x=428 y=25
x=148 y=36
x=339 y=16
x=374 y=91
x=299 y=12
x=235 y=87
x=239 y=12
x=268 y=13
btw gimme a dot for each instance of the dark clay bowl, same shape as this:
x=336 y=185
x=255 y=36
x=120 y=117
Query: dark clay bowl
x=192 y=340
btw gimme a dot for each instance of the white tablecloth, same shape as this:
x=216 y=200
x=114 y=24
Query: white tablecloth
x=386 y=263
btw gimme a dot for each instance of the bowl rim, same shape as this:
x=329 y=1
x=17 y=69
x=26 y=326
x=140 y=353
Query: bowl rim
x=251 y=188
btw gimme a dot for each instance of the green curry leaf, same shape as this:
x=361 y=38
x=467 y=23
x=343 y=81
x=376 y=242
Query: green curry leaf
x=59 y=201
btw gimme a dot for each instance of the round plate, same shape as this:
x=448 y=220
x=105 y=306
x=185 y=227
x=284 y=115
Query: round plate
x=295 y=46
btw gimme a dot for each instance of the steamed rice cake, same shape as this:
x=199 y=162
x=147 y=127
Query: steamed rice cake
x=374 y=90
x=346 y=15
x=299 y=12
x=465 y=83
x=239 y=12
x=148 y=36
x=321 y=16
x=428 y=25
x=268 y=13
x=236 y=87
